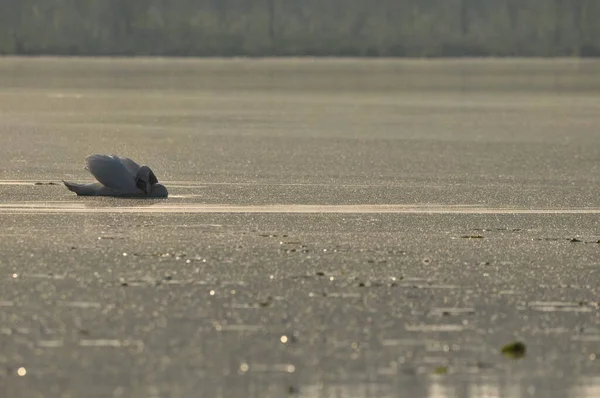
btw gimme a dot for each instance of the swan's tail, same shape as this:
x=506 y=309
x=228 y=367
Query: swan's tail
x=80 y=189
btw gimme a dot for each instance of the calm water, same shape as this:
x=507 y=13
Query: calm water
x=337 y=228
x=341 y=121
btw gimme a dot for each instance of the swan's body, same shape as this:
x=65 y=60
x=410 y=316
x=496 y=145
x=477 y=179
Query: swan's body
x=118 y=177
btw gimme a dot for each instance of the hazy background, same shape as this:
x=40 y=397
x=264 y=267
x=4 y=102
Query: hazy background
x=301 y=27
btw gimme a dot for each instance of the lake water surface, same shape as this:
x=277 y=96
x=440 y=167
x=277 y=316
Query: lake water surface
x=335 y=228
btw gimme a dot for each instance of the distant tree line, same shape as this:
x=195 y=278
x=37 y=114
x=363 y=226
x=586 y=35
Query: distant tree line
x=418 y=28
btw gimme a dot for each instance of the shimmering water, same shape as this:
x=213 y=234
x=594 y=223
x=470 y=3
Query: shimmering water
x=336 y=228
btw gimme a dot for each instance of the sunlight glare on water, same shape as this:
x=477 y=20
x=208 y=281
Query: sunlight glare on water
x=336 y=228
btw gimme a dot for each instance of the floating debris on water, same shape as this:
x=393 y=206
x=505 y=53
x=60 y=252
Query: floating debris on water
x=514 y=350
x=267 y=302
x=452 y=311
x=440 y=370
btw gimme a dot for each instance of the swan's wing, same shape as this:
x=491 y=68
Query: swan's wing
x=131 y=165
x=111 y=172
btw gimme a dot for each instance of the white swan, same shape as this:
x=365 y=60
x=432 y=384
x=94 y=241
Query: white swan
x=118 y=177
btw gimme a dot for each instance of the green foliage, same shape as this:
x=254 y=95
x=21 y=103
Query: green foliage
x=301 y=27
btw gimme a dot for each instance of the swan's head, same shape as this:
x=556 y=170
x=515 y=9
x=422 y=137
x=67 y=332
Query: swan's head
x=145 y=180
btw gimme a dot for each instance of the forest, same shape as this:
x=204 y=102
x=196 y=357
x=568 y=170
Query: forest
x=368 y=28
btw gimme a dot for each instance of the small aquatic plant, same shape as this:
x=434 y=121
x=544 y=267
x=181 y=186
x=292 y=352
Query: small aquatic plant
x=514 y=350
